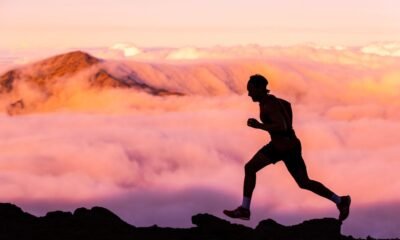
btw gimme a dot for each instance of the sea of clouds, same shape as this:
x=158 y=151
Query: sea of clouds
x=160 y=160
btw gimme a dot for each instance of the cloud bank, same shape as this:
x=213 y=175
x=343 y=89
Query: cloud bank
x=158 y=160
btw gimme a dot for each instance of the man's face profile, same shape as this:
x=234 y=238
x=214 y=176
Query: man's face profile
x=254 y=92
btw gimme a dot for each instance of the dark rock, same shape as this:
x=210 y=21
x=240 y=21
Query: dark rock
x=327 y=228
x=14 y=223
x=9 y=213
x=100 y=223
x=100 y=218
x=216 y=228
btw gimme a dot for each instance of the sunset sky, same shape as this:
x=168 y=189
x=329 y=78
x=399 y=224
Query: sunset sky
x=161 y=159
x=76 y=23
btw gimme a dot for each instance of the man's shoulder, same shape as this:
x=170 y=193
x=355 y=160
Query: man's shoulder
x=270 y=102
x=273 y=99
x=279 y=99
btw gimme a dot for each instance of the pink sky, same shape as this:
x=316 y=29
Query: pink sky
x=75 y=23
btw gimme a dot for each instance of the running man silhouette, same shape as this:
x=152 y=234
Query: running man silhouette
x=276 y=118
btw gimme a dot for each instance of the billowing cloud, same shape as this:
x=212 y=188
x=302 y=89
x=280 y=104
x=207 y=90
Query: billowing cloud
x=383 y=49
x=306 y=51
x=127 y=49
x=158 y=160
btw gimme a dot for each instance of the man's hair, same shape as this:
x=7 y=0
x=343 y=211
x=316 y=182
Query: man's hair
x=259 y=81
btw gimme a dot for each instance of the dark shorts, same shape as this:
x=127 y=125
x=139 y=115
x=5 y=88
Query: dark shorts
x=290 y=154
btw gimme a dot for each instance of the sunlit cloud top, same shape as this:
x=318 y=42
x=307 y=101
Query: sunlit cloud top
x=178 y=23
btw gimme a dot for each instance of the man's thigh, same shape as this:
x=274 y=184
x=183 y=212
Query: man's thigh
x=262 y=158
x=296 y=166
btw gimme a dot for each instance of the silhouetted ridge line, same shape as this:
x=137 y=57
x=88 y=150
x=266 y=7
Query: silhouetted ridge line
x=100 y=223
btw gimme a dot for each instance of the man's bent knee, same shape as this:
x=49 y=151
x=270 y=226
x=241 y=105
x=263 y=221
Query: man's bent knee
x=249 y=169
x=256 y=163
x=304 y=183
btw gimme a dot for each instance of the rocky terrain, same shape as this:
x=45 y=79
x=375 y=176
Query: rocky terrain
x=100 y=223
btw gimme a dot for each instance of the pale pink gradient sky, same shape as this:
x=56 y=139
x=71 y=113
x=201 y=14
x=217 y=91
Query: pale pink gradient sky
x=75 y=23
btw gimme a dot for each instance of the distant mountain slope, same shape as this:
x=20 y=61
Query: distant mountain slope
x=50 y=75
x=46 y=72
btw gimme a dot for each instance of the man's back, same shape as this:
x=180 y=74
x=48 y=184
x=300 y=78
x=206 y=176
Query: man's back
x=277 y=111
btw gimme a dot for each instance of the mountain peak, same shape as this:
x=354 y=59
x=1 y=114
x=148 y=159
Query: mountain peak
x=57 y=66
x=73 y=61
x=48 y=78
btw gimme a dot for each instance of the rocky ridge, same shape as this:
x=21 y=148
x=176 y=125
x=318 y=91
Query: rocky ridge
x=100 y=223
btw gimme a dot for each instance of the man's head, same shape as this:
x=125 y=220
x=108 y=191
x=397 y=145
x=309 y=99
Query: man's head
x=257 y=87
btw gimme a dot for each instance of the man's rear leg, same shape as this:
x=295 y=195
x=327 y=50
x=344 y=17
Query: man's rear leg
x=300 y=175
